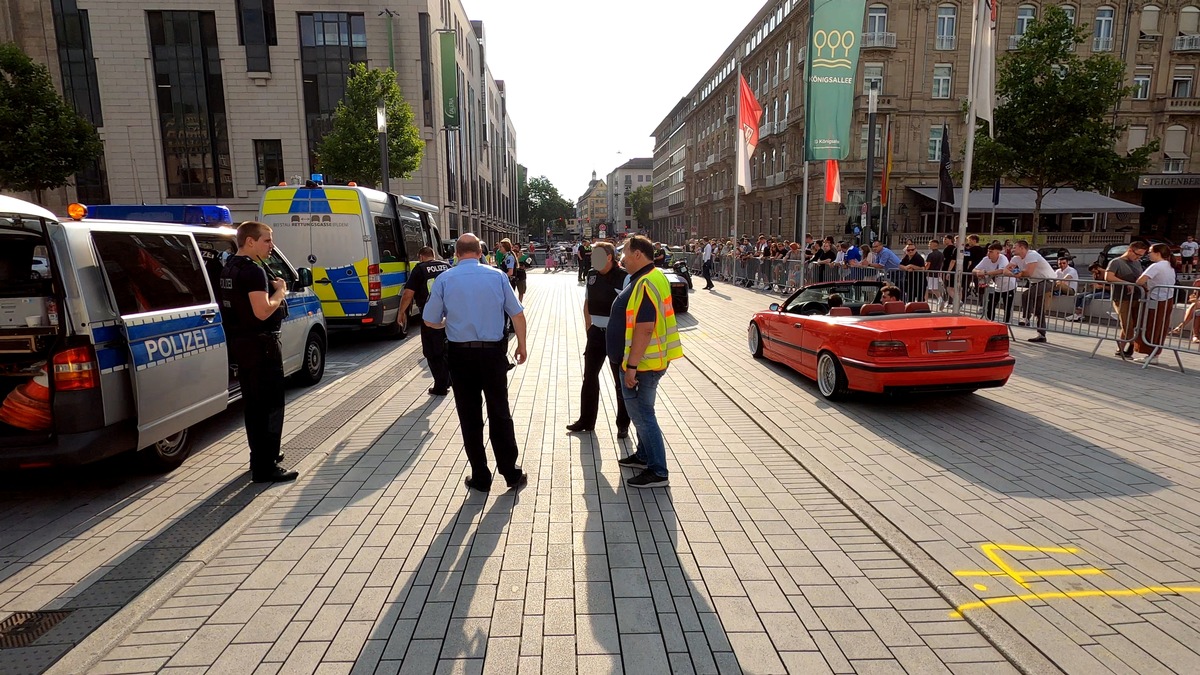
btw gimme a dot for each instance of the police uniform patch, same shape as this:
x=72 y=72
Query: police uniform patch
x=591 y=279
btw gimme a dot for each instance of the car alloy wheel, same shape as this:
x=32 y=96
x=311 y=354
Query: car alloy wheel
x=754 y=339
x=831 y=380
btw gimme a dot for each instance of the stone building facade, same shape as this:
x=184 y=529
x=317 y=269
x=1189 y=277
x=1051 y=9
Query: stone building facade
x=622 y=182
x=918 y=55
x=211 y=101
x=592 y=207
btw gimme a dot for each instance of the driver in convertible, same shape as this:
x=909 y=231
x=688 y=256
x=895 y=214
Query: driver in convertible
x=835 y=300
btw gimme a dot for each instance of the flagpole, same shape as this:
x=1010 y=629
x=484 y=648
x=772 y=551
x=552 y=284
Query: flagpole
x=737 y=155
x=969 y=155
x=804 y=156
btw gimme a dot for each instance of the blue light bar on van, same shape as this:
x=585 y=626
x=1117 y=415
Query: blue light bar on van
x=318 y=178
x=191 y=214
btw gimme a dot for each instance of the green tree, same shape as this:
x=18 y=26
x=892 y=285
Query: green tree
x=44 y=142
x=546 y=204
x=351 y=150
x=641 y=200
x=1054 y=118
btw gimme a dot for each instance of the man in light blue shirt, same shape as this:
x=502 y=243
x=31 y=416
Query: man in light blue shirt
x=470 y=300
x=885 y=258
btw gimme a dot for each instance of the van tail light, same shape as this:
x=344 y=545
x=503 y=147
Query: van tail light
x=887 y=348
x=374 y=283
x=75 y=369
x=997 y=343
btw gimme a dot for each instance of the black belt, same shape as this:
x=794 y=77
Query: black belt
x=479 y=344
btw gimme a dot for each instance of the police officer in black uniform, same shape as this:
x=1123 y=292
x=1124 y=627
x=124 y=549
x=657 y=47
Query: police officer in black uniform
x=604 y=281
x=433 y=340
x=253 y=308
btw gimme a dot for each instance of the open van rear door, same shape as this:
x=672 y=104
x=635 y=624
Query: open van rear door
x=179 y=363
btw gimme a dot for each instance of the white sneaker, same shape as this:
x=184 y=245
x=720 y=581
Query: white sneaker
x=1075 y=317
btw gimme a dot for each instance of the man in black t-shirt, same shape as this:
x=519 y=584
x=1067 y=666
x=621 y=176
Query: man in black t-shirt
x=950 y=265
x=433 y=340
x=253 y=308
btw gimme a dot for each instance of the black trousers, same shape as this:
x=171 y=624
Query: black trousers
x=595 y=355
x=706 y=269
x=433 y=346
x=475 y=371
x=260 y=372
x=999 y=299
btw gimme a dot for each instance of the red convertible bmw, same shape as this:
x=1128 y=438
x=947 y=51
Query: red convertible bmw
x=866 y=345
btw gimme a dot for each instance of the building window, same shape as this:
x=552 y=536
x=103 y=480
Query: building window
x=268 y=158
x=941 y=80
x=787 y=62
x=1069 y=10
x=1102 y=38
x=256 y=30
x=329 y=43
x=864 y=132
x=1025 y=16
x=1181 y=83
x=77 y=65
x=191 y=104
x=947 y=27
x=873 y=77
x=1189 y=20
x=1141 y=85
x=877 y=19
x=1149 y=23
x=935 y=144
x=1175 y=149
x=1137 y=137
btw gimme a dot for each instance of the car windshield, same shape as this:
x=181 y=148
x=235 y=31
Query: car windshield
x=852 y=294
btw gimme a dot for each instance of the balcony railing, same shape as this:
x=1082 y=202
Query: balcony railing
x=765 y=130
x=1102 y=44
x=771 y=180
x=1179 y=106
x=712 y=159
x=882 y=41
x=781 y=126
x=1186 y=43
x=945 y=42
x=697 y=166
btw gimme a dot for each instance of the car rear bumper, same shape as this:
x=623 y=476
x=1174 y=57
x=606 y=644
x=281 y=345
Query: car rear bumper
x=931 y=376
x=69 y=449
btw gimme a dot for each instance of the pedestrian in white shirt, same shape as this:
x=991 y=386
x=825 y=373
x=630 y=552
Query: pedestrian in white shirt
x=1157 y=279
x=1188 y=251
x=1030 y=265
x=1001 y=285
x=706 y=264
x=1068 y=278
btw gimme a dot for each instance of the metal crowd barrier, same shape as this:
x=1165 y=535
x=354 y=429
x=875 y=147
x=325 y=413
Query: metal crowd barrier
x=1170 y=323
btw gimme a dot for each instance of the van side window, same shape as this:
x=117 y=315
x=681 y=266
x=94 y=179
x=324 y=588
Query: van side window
x=215 y=251
x=385 y=238
x=152 y=272
x=413 y=239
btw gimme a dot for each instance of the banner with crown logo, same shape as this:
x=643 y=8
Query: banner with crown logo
x=830 y=68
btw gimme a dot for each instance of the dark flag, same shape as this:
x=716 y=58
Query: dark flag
x=945 y=182
x=996 y=193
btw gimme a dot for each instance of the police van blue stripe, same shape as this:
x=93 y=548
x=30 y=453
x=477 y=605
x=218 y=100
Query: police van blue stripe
x=102 y=334
x=111 y=358
x=162 y=348
x=156 y=328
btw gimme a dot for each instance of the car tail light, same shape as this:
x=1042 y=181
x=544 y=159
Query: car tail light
x=374 y=283
x=997 y=343
x=75 y=369
x=887 y=348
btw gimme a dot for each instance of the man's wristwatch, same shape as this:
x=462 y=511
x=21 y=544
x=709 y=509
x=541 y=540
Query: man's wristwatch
x=631 y=365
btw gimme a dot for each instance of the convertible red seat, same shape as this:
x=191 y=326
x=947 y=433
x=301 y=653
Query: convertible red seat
x=840 y=311
x=870 y=309
x=917 y=308
x=893 y=307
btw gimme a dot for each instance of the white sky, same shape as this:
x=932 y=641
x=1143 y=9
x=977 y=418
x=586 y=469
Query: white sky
x=588 y=80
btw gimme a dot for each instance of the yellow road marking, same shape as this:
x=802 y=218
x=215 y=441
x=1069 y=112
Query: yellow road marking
x=992 y=552
x=1061 y=595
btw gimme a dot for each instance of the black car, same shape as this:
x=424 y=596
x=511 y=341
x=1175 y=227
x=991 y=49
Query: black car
x=1118 y=250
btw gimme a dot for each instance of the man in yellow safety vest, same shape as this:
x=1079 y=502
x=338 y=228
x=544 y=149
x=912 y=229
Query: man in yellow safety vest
x=642 y=352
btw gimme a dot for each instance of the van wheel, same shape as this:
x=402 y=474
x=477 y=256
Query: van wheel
x=313 y=368
x=167 y=454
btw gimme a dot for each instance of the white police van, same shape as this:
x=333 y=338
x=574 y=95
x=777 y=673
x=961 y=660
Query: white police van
x=122 y=347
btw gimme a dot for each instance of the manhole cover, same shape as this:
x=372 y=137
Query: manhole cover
x=22 y=628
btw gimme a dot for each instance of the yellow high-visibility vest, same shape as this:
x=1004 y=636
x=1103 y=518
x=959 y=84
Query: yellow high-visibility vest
x=665 y=345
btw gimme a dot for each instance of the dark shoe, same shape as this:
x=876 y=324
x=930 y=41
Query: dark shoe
x=632 y=462
x=481 y=486
x=647 y=479
x=709 y=288
x=1022 y=322
x=521 y=480
x=276 y=475
x=434 y=391
x=579 y=426
x=623 y=433
x=1040 y=338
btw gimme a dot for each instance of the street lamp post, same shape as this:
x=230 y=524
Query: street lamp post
x=381 y=127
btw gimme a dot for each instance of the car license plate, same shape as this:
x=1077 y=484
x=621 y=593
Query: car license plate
x=947 y=346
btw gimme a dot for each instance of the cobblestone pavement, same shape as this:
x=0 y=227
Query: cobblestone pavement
x=378 y=560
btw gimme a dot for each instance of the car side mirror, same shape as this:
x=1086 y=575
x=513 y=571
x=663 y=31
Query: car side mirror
x=774 y=307
x=305 y=280
x=447 y=250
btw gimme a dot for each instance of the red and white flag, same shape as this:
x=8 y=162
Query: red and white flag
x=983 y=59
x=833 y=182
x=749 y=114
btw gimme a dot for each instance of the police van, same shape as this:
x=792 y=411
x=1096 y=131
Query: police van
x=360 y=243
x=121 y=346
